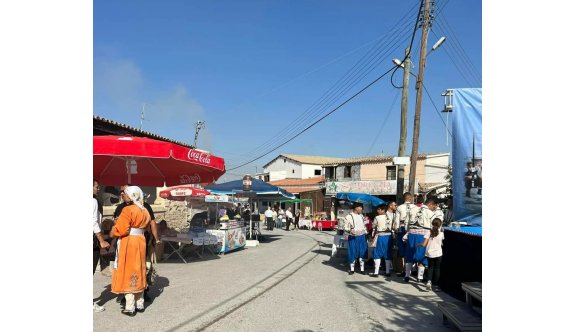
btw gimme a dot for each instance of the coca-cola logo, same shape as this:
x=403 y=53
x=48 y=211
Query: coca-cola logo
x=185 y=178
x=198 y=156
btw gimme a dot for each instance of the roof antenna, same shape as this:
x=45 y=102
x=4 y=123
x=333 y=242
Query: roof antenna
x=199 y=125
x=142 y=115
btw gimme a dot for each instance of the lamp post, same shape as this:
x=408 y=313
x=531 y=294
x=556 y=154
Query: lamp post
x=403 y=127
x=418 y=97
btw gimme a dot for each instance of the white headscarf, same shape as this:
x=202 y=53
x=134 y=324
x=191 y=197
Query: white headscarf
x=136 y=195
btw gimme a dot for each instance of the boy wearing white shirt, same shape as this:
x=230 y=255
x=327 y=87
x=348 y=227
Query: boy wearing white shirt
x=404 y=214
x=356 y=241
x=418 y=226
x=383 y=227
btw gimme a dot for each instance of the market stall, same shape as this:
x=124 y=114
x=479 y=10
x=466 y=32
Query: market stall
x=259 y=191
x=305 y=219
x=230 y=233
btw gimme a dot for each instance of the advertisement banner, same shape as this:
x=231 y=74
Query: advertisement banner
x=467 y=155
x=376 y=187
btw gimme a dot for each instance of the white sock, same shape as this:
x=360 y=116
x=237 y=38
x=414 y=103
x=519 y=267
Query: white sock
x=420 y=270
x=377 y=263
x=361 y=264
x=388 y=265
x=352 y=266
x=407 y=270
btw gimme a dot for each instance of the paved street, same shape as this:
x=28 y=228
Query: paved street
x=288 y=283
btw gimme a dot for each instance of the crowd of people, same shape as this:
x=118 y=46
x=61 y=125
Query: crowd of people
x=414 y=230
x=134 y=235
x=276 y=216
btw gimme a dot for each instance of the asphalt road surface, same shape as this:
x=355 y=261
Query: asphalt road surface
x=290 y=282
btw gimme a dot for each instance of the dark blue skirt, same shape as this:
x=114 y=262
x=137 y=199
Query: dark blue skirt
x=400 y=243
x=383 y=247
x=413 y=253
x=356 y=248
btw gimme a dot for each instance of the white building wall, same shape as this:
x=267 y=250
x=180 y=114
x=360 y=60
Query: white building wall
x=290 y=169
x=278 y=175
x=436 y=168
x=308 y=171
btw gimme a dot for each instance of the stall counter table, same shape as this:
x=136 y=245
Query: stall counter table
x=230 y=239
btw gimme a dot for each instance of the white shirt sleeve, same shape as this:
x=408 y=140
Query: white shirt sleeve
x=96 y=213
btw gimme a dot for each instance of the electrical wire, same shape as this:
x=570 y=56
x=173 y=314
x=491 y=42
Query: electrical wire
x=313 y=124
x=383 y=123
x=292 y=127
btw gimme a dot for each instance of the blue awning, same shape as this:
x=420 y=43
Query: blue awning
x=261 y=188
x=361 y=198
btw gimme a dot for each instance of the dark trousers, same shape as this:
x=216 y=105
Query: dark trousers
x=288 y=223
x=96 y=258
x=270 y=223
x=433 y=269
x=296 y=223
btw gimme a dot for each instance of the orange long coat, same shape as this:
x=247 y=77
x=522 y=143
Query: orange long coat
x=130 y=275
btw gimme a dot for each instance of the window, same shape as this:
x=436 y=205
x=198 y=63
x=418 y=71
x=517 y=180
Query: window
x=330 y=173
x=293 y=171
x=284 y=160
x=391 y=173
x=317 y=172
x=347 y=172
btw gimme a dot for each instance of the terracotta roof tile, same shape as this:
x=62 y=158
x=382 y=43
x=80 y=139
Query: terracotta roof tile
x=368 y=159
x=299 y=190
x=313 y=160
x=298 y=182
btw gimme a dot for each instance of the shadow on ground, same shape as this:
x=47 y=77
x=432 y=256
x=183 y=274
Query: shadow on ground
x=154 y=291
x=408 y=312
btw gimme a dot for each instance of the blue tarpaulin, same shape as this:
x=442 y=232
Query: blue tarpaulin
x=467 y=148
x=260 y=187
x=361 y=198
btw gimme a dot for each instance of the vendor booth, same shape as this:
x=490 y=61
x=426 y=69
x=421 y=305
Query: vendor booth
x=260 y=191
x=230 y=231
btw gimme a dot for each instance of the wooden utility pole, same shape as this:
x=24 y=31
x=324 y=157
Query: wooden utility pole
x=419 y=88
x=403 y=127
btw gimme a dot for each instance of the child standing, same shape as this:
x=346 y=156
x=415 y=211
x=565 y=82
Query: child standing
x=433 y=253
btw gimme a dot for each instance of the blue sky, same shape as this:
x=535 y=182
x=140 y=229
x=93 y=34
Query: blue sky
x=249 y=69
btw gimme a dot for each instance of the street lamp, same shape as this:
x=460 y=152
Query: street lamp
x=402 y=139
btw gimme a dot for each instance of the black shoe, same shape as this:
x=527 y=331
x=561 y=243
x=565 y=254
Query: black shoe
x=373 y=275
x=140 y=310
x=362 y=272
x=406 y=279
x=387 y=275
x=129 y=313
x=350 y=272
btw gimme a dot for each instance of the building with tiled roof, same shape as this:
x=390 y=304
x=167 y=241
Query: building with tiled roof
x=377 y=175
x=291 y=166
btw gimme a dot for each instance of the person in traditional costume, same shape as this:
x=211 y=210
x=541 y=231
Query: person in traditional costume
x=129 y=275
x=384 y=225
x=354 y=226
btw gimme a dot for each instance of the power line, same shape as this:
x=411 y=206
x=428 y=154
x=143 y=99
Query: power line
x=313 y=124
x=383 y=123
x=310 y=113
